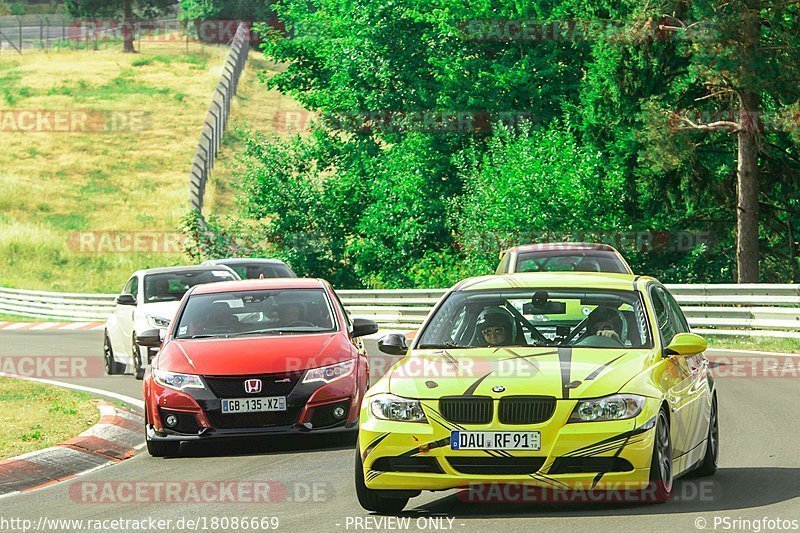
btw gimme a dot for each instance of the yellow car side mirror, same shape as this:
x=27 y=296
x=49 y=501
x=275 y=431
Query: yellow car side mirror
x=686 y=344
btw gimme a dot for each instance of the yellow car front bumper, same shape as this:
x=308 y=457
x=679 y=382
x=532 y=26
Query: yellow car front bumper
x=609 y=455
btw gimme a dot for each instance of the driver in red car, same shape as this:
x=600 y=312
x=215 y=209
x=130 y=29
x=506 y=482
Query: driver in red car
x=290 y=313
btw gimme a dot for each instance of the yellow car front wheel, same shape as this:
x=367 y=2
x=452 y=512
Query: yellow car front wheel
x=379 y=501
x=661 y=470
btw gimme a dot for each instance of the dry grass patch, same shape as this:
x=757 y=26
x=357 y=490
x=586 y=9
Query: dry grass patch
x=132 y=179
x=136 y=179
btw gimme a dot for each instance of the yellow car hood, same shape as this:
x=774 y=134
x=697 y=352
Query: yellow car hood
x=559 y=372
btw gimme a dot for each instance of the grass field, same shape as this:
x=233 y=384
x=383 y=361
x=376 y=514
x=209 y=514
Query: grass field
x=762 y=344
x=132 y=179
x=38 y=416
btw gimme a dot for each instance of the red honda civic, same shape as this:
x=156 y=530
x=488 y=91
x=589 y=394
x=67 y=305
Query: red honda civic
x=255 y=357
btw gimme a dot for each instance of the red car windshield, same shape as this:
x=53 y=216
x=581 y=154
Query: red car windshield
x=259 y=312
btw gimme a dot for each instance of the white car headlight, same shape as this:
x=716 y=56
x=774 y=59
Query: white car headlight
x=391 y=407
x=158 y=322
x=330 y=373
x=177 y=381
x=615 y=407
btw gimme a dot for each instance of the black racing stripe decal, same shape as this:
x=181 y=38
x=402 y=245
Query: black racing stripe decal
x=565 y=361
x=538 y=476
x=471 y=390
x=449 y=358
x=607 y=447
x=599 y=476
x=515 y=355
x=439 y=419
x=493 y=453
x=612 y=440
x=615 y=446
x=371 y=445
x=596 y=371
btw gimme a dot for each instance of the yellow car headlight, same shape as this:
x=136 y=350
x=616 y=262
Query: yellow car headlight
x=391 y=407
x=615 y=407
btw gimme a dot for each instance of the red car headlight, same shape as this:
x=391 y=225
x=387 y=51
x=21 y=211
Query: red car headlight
x=177 y=381
x=330 y=373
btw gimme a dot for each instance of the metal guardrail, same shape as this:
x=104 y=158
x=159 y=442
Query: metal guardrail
x=747 y=310
x=721 y=309
x=56 y=306
x=217 y=117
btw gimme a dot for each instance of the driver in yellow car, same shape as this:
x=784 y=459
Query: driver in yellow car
x=605 y=322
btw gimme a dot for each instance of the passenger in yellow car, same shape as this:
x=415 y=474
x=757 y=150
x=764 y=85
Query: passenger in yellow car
x=496 y=328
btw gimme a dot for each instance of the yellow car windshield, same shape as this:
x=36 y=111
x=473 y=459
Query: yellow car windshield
x=539 y=317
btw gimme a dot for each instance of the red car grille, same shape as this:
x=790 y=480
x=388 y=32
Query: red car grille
x=253 y=420
x=271 y=385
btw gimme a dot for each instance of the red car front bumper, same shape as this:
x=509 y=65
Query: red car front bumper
x=196 y=413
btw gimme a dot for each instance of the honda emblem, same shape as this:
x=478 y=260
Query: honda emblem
x=252 y=386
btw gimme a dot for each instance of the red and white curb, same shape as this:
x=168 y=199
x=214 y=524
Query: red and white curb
x=116 y=437
x=45 y=326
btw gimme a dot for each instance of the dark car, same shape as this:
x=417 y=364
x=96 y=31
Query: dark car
x=255 y=268
x=562 y=257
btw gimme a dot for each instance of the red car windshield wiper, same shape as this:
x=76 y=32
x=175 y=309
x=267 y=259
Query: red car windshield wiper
x=203 y=336
x=279 y=331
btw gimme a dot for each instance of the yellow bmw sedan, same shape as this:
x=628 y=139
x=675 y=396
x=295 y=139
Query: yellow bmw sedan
x=578 y=381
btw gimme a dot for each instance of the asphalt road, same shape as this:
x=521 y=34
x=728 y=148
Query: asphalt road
x=758 y=479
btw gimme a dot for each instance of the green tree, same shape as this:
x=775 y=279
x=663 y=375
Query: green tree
x=127 y=10
x=624 y=136
x=742 y=66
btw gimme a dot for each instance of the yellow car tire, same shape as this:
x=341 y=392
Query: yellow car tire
x=373 y=500
x=708 y=466
x=661 y=467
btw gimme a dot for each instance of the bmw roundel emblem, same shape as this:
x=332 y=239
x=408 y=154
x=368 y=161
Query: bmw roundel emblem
x=498 y=388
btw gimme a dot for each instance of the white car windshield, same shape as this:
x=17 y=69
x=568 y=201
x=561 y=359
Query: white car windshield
x=171 y=286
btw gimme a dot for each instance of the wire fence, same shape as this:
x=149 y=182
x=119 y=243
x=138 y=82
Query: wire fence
x=61 y=32
x=217 y=117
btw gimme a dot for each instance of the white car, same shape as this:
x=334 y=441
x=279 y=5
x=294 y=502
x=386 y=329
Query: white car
x=149 y=301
